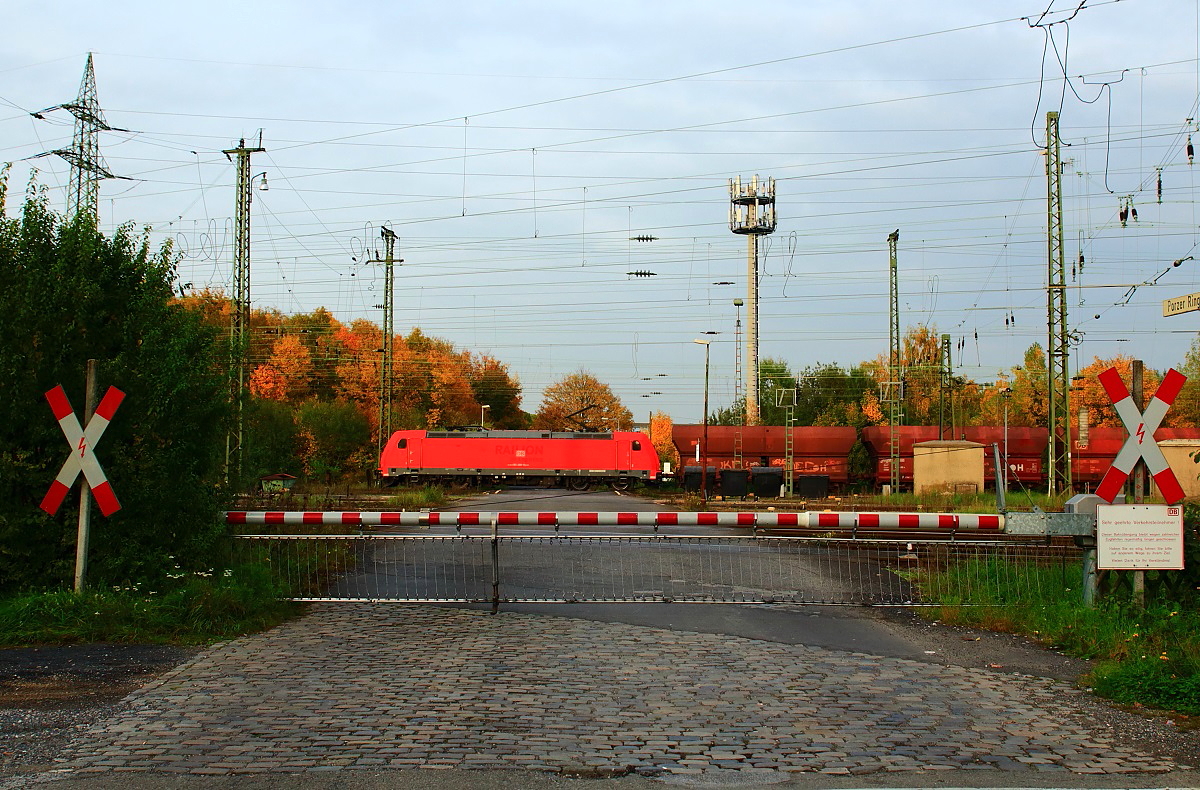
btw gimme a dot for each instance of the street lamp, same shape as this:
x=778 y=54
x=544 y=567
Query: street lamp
x=481 y=411
x=704 y=438
x=1005 y=392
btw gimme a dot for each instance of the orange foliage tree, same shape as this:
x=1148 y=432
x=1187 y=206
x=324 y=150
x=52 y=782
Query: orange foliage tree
x=591 y=402
x=1087 y=392
x=315 y=364
x=660 y=435
x=920 y=361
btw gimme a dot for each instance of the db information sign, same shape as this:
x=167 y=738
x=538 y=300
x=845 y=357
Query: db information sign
x=1139 y=537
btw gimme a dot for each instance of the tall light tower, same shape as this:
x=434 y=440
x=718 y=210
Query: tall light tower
x=239 y=341
x=752 y=214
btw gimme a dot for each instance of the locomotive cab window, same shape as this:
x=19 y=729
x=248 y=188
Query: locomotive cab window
x=636 y=445
x=401 y=444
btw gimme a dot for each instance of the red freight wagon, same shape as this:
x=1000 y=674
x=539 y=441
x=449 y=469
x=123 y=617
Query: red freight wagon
x=1026 y=450
x=816 y=450
x=573 y=460
x=1090 y=462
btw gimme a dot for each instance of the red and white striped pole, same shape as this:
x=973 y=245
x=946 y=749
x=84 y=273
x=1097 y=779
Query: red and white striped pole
x=813 y=519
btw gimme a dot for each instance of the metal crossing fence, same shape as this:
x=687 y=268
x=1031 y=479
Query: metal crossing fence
x=662 y=568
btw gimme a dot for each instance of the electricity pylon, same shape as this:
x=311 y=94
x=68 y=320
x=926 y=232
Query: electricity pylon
x=87 y=166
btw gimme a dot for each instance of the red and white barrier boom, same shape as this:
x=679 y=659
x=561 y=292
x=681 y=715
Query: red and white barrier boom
x=832 y=520
x=1141 y=427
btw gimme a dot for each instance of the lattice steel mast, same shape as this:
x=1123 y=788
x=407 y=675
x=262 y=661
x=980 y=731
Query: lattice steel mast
x=752 y=214
x=239 y=336
x=385 y=367
x=1058 y=348
x=87 y=166
x=895 y=386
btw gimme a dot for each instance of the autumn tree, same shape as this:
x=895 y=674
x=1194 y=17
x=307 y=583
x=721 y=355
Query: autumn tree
x=493 y=386
x=357 y=361
x=580 y=401
x=926 y=397
x=1087 y=393
x=332 y=435
x=287 y=375
x=661 y=427
x=1029 y=399
x=1186 y=408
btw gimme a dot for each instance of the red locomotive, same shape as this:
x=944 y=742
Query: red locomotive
x=573 y=460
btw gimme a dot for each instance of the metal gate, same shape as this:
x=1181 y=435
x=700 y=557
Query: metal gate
x=650 y=568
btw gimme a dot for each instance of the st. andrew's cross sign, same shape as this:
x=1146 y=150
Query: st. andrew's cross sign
x=83 y=456
x=1141 y=444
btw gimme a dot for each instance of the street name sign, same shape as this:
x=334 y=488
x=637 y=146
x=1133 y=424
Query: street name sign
x=1181 y=304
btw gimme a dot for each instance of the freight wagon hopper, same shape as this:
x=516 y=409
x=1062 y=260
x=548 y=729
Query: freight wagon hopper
x=817 y=451
x=1026 y=450
x=1090 y=460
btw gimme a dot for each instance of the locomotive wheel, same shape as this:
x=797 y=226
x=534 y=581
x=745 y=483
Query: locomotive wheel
x=577 y=483
x=621 y=484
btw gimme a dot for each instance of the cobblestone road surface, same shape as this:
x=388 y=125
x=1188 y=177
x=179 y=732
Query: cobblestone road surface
x=370 y=686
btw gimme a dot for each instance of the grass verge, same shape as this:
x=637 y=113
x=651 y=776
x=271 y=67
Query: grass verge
x=1147 y=657
x=196 y=610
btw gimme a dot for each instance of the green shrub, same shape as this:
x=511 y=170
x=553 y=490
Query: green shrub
x=196 y=608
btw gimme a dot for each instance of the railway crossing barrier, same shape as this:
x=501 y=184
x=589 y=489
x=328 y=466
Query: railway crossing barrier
x=744 y=565
x=754 y=520
x=658 y=568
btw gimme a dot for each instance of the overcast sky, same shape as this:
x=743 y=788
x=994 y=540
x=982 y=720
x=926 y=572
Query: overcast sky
x=516 y=147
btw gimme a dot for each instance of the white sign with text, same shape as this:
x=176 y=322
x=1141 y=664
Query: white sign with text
x=1139 y=537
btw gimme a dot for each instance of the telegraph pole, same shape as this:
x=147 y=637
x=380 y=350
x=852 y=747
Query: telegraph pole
x=239 y=335
x=1058 y=348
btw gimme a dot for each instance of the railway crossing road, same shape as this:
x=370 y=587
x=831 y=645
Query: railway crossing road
x=356 y=695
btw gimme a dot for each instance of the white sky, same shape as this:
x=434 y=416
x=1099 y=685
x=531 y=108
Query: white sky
x=516 y=147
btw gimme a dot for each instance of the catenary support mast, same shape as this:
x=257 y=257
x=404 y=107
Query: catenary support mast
x=1058 y=348
x=894 y=390
x=239 y=340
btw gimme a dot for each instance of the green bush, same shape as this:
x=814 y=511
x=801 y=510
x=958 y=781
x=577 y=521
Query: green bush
x=195 y=608
x=1156 y=681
